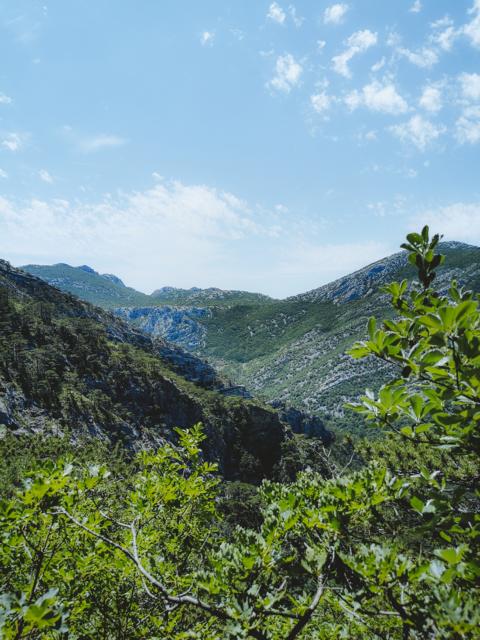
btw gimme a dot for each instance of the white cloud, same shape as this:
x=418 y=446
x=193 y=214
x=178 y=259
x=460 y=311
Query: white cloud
x=296 y=19
x=4 y=99
x=431 y=98
x=457 y=221
x=444 y=34
x=321 y=102
x=416 y=7
x=357 y=43
x=276 y=13
x=335 y=13
x=472 y=29
x=45 y=176
x=91 y=144
x=287 y=73
x=418 y=131
x=379 y=65
x=197 y=222
x=321 y=45
x=3 y=174
x=424 y=58
x=206 y=38
x=383 y=98
x=470 y=85
x=468 y=126
x=13 y=141
x=445 y=39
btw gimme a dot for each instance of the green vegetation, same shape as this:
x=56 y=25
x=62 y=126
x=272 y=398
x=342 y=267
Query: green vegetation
x=89 y=286
x=109 y=293
x=246 y=332
x=294 y=349
x=68 y=368
x=382 y=542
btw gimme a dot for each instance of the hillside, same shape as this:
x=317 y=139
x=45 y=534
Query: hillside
x=211 y=297
x=108 y=291
x=67 y=367
x=293 y=350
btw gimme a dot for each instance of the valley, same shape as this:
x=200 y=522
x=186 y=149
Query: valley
x=290 y=350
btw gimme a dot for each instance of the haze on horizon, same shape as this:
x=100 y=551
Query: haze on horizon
x=271 y=147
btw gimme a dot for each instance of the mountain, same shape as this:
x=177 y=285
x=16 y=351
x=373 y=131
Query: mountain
x=67 y=367
x=108 y=291
x=293 y=350
x=207 y=297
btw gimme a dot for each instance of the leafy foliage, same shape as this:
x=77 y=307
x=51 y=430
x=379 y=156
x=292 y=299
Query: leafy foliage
x=389 y=550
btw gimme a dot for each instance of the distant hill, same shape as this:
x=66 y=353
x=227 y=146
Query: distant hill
x=69 y=367
x=211 y=297
x=293 y=350
x=108 y=291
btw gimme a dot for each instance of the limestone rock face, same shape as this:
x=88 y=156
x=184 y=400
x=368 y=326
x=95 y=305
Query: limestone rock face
x=113 y=278
x=182 y=326
x=300 y=422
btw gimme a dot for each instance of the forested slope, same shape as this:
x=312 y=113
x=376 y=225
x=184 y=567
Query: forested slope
x=69 y=367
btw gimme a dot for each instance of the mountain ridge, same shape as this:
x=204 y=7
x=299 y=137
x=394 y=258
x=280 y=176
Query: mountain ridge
x=293 y=350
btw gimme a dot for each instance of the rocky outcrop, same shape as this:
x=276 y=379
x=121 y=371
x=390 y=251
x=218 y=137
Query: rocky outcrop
x=300 y=422
x=181 y=326
x=367 y=280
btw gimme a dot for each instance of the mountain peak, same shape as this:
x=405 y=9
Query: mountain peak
x=85 y=267
x=364 y=281
x=113 y=278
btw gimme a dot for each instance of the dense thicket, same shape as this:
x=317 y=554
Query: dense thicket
x=388 y=550
x=90 y=375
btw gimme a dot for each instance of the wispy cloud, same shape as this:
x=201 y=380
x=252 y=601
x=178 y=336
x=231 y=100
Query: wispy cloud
x=197 y=221
x=444 y=33
x=45 y=176
x=418 y=131
x=276 y=13
x=424 y=58
x=13 y=141
x=472 y=28
x=3 y=174
x=102 y=141
x=335 y=14
x=4 y=99
x=207 y=38
x=287 y=73
x=470 y=85
x=321 y=102
x=468 y=126
x=377 y=96
x=431 y=98
x=416 y=7
x=92 y=143
x=457 y=221
x=296 y=19
x=357 y=43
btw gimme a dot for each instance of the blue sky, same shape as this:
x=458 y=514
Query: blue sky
x=235 y=143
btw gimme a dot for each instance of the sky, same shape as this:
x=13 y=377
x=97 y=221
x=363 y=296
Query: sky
x=243 y=144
